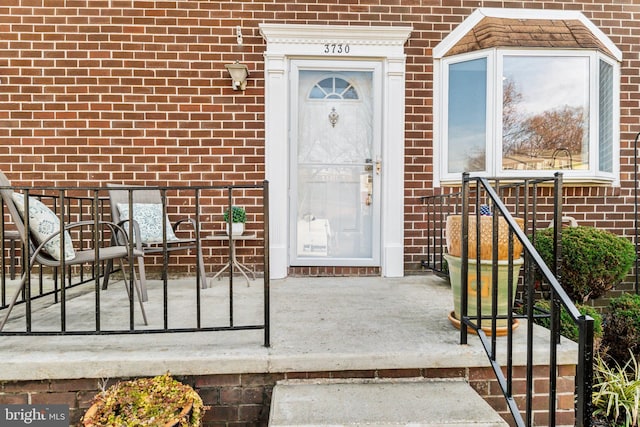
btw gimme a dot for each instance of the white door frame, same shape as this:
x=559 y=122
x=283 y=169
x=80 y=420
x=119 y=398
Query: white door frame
x=332 y=42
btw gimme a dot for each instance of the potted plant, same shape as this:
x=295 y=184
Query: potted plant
x=454 y=250
x=158 y=401
x=238 y=218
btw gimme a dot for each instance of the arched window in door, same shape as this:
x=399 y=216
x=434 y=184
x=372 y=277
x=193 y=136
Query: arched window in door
x=333 y=88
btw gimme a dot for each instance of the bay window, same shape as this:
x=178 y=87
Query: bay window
x=515 y=111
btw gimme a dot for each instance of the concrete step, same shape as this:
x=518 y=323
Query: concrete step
x=415 y=402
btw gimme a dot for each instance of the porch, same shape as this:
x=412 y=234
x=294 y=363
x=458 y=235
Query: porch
x=356 y=327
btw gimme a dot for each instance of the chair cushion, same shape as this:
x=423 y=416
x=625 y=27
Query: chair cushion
x=42 y=224
x=149 y=219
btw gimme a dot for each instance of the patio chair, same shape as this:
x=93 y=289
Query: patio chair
x=147 y=226
x=43 y=241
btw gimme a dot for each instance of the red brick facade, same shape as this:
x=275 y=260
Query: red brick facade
x=136 y=91
x=244 y=399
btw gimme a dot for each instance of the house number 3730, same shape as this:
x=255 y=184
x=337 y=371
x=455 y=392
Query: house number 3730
x=336 y=48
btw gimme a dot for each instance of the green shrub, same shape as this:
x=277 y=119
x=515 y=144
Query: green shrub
x=568 y=328
x=622 y=328
x=593 y=260
x=238 y=214
x=616 y=391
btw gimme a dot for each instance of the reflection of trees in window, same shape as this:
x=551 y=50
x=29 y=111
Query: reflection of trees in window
x=475 y=161
x=529 y=141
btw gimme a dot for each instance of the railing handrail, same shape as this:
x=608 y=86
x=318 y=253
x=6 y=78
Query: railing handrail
x=585 y=323
x=528 y=247
x=515 y=190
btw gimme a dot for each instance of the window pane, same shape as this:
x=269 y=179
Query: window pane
x=333 y=88
x=467 y=125
x=605 y=118
x=545 y=113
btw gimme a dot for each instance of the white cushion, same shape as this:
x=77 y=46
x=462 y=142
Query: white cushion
x=149 y=219
x=42 y=224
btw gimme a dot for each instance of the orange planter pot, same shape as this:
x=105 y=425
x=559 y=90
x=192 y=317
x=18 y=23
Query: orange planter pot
x=453 y=233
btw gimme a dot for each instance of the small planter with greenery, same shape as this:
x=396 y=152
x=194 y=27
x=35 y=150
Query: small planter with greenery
x=158 y=401
x=238 y=219
x=593 y=260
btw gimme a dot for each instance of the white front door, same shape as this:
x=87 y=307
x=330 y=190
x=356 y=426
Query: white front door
x=335 y=163
x=335 y=49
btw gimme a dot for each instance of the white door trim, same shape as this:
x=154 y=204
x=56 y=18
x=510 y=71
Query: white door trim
x=386 y=44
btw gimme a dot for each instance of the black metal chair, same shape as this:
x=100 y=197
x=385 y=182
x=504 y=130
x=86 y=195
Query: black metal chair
x=150 y=200
x=40 y=245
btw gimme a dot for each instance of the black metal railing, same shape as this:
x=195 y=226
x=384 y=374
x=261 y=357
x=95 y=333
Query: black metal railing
x=85 y=305
x=636 y=215
x=436 y=209
x=535 y=201
x=17 y=255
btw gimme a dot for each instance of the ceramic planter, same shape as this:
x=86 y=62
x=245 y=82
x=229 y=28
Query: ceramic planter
x=454 y=232
x=486 y=276
x=454 y=248
x=237 y=228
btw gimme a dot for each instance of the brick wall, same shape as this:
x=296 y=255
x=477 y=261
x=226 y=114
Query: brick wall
x=483 y=381
x=136 y=91
x=244 y=399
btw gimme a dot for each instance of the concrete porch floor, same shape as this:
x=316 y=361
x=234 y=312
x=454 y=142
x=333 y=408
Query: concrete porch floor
x=317 y=324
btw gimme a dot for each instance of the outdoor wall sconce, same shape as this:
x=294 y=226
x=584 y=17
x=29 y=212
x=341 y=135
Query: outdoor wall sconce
x=239 y=73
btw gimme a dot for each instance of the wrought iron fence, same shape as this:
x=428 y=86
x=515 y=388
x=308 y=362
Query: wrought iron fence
x=436 y=209
x=537 y=202
x=167 y=290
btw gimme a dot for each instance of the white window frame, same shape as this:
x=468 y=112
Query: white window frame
x=493 y=146
x=494 y=99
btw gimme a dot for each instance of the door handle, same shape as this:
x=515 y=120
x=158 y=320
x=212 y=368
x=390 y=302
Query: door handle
x=369 y=166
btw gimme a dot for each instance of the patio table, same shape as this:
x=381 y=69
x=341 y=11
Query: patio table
x=243 y=269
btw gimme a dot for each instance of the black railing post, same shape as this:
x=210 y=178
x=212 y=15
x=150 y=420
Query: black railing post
x=26 y=290
x=495 y=228
x=199 y=280
x=96 y=257
x=584 y=372
x=478 y=260
x=464 y=259
x=3 y=286
x=131 y=267
x=267 y=275
x=635 y=210
x=231 y=251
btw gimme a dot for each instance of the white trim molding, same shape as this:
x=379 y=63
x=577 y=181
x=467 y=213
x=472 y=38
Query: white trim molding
x=335 y=42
